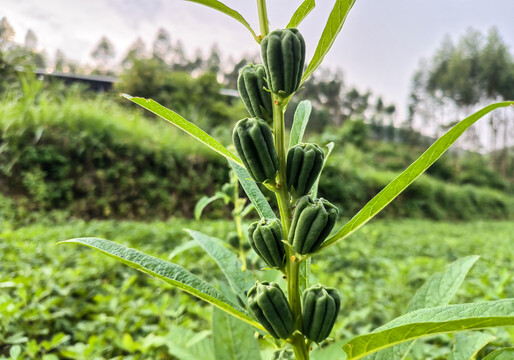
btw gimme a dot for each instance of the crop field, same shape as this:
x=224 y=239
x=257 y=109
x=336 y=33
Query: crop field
x=65 y=301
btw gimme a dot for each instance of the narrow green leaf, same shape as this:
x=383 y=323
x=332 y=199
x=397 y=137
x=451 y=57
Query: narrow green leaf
x=467 y=345
x=247 y=210
x=188 y=245
x=438 y=320
x=184 y=125
x=168 y=272
x=334 y=24
x=233 y=339
x=203 y=202
x=216 y=5
x=228 y=262
x=395 y=187
x=330 y=147
x=305 y=271
x=438 y=290
x=303 y=10
x=502 y=354
x=301 y=118
x=253 y=192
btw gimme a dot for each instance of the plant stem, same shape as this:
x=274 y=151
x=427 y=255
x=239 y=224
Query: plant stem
x=263 y=17
x=292 y=263
x=280 y=146
x=238 y=208
x=242 y=252
x=297 y=340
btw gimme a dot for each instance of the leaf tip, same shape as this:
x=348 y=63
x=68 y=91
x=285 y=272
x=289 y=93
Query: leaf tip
x=66 y=241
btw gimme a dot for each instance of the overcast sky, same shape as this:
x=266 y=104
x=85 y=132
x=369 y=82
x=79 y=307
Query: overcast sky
x=379 y=48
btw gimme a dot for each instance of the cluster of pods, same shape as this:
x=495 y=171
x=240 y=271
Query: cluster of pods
x=283 y=55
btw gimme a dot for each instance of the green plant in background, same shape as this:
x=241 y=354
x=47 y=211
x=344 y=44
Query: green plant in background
x=230 y=195
x=298 y=314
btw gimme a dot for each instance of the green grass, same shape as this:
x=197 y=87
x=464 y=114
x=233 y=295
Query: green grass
x=69 y=302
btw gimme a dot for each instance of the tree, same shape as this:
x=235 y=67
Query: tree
x=103 y=54
x=330 y=93
x=8 y=73
x=214 y=60
x=178 y=57
x=31 y=41
x=230 y=77
x=497 y=75
x=161 y=47
x=476 y=70
x=59 y=60
x=355 y=102
x=7 y=34
x=197 y=64
x=34 y=57
x=136 y=51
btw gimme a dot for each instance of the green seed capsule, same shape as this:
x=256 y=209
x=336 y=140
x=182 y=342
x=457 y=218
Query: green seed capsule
x=253 y=141
x=251 y=84
x=312 y=222
x=266 y=237
x=320 y=309
x=283 y=54
x=304 y=163
x=269 y=305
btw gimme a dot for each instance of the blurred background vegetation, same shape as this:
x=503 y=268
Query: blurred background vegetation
x=75 y=162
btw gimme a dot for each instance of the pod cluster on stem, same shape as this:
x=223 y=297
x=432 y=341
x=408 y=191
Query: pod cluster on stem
x=305 y=222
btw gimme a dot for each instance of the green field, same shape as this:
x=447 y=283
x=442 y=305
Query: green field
x=71 y=302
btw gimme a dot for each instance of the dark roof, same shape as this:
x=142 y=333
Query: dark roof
x=60 y=74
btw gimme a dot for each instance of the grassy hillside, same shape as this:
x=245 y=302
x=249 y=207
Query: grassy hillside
x=94 y=158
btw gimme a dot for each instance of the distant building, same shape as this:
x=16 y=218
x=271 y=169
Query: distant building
x=98 y=83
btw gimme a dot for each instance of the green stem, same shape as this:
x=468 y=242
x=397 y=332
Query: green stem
x=297 y=340
x=263 y=18
x=238 y=208
x=280 y=146
x=242 y=252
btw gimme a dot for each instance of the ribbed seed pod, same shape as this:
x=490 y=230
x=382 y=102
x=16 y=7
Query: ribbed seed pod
x=266 y=237
x=251 y=84
x=320 y=309
x=253 y=141
x=304 y=163
x=269 y=305
x=283 y=54
x=312 y=222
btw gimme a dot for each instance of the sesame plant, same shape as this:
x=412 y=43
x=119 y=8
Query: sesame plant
x=300 y=315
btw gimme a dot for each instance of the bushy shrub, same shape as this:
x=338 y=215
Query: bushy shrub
x=197 y=98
